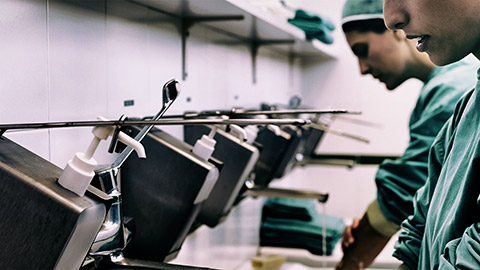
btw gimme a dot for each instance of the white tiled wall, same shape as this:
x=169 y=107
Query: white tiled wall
x=23 y=67
x=75 y=60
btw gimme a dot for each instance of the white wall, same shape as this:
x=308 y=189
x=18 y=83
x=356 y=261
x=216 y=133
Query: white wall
x=75 y=60
x=79 y=59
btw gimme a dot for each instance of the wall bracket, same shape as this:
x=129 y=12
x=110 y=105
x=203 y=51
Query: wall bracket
x=255 y=46
x=188 y=22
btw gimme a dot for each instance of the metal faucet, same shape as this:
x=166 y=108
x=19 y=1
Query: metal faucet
x=113 y=235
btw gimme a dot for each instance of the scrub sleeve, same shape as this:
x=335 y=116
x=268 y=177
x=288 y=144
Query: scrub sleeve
x=379 y=222
x=398 y=180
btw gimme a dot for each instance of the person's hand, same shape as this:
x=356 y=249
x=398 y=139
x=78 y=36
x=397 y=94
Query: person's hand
x=347 y=236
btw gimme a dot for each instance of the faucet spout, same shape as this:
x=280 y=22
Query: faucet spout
x=113 y=235
x=136 y=145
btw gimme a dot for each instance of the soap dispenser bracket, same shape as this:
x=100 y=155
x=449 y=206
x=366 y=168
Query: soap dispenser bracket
x=114 y=142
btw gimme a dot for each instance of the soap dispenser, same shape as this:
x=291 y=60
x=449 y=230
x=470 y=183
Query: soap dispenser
x=164 y=193
x=238 y=157
x=79 y=171
x=252 y=133
x=205 y=146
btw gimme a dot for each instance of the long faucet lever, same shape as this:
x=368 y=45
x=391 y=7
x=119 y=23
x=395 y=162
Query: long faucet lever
x=170 y=92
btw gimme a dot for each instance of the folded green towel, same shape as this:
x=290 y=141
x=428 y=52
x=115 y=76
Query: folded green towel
x=283 y=236
x=295 y=223
x=314 y=26
x=308 y=243
x=301 y=14
x=298 y=209
x=334 y=226
x=313 y=30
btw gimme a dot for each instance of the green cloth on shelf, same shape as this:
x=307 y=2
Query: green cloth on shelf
x=285 y=239
x=287 y=231
x=299 y=209
x=314 y=26
x=301 y=14
x=334 y=226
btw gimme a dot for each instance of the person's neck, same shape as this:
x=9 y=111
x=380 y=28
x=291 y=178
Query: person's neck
x=423 y=68
x=477 y=53
x=427 y=71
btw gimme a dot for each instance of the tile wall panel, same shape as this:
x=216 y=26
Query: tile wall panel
x=23 y=65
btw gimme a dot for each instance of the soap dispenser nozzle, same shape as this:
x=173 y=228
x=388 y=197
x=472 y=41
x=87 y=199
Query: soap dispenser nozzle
x=238 y=132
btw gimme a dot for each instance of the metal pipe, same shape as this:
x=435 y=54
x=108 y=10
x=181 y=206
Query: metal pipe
x=296 y=111
x=240 y=112
x=327 y=129
x=256 y=191
x=164 y=122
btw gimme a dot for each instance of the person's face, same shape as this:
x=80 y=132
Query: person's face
x=446 y=29
x=381 y=55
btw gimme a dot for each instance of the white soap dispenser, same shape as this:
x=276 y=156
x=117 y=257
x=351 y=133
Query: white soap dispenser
x=252 y=133
x=78 y=173
x=239 y=132
x=205 y=146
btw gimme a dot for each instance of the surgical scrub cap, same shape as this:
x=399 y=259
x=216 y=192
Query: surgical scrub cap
x=359 y=10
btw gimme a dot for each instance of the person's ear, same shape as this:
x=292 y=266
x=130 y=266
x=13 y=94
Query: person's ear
x=399 y=35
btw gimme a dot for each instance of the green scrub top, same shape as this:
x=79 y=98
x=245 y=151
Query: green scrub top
x=398 y=180
x=444 y=231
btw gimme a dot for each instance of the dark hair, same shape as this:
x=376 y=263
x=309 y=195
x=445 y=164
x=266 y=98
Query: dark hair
x=372 y=25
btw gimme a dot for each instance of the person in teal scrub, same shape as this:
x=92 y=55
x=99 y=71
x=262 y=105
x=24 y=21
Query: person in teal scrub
x=444 y=230
x=392 y=59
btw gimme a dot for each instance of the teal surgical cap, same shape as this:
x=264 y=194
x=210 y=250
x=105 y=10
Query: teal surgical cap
x=359 y=10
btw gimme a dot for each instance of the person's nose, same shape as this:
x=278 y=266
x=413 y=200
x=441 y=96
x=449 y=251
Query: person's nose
x=395 y=14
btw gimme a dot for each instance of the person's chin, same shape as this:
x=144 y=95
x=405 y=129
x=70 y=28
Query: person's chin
x=390 y=86
x=438 y=60
x=442 y=58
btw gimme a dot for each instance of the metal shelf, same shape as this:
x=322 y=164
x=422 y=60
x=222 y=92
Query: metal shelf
x=243 y=21
x=269 y=27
